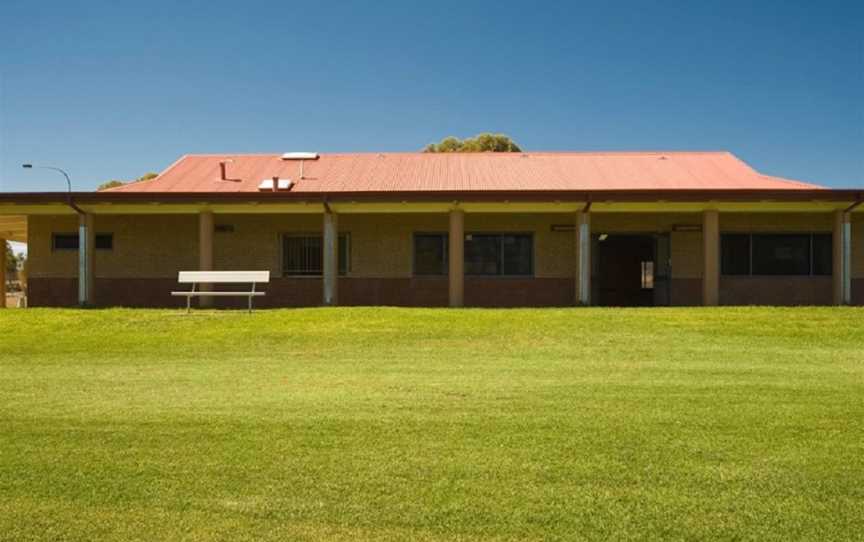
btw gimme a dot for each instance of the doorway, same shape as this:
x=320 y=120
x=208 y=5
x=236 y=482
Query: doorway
x=631 y=270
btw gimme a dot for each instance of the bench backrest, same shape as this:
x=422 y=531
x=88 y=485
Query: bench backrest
x=223 y=277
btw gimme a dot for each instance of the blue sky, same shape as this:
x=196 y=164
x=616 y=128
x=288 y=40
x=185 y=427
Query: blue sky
x=115 y=89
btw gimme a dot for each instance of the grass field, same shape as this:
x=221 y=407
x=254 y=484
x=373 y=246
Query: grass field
x=395 y=424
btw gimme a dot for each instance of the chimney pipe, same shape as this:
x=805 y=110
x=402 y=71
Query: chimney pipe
x=223 y=170
x=276 y=184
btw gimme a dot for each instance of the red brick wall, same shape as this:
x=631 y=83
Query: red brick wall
x=776 y=291
x=685 y=292
x=432 y=292
x=52 y=292
x=297 y=292
x=763 y=291
x=858 y=292
x=519 y=292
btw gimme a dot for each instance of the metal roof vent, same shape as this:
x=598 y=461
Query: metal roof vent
x=300 y=156
x=275 y=184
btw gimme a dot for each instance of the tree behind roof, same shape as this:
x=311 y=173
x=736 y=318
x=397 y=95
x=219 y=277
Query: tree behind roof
x=113 y=183
x=484 y=142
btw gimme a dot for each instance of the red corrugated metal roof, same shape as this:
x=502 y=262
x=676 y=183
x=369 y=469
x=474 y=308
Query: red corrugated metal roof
x=425 y=172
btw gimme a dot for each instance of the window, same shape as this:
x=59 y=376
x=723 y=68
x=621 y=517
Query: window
x=65 y=241
x=735 y=254
x=776 y=254
x=104 y=241
x=492 y=254
x=823 y=254
x=485 y=254
x=304 y=255
x=648 y=275
x=69 y=241
x=430 y=254
x=517 y=255
x=781 y=254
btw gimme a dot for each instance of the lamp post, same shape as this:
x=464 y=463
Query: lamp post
x=84 y=248
x=68 y=181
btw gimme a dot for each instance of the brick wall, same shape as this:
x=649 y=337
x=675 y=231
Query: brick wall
x=149 y=250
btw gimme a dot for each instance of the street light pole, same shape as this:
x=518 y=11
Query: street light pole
x=84 y=249
x=68 y=181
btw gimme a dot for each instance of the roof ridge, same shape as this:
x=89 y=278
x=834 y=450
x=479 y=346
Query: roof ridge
x=483 y=153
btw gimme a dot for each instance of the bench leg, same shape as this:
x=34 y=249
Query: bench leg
x=188 y=304
x=250 y=304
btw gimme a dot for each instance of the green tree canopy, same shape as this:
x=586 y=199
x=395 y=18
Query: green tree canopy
x=114 y=182
x=10 y=259
x=484 y=142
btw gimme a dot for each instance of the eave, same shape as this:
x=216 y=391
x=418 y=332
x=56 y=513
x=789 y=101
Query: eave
x=682 y=200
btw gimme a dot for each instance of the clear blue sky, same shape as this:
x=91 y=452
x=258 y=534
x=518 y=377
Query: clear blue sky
x=115 y=89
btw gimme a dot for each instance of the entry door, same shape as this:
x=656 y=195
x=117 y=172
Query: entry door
x=626 y=270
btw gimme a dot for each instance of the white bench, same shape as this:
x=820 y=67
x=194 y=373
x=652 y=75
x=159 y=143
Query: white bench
x=220 y=277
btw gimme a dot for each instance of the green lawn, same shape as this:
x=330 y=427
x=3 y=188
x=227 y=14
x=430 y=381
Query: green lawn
x=400 y=424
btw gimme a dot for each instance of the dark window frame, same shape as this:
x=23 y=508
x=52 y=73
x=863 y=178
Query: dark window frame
x=445 y=237
x=501 y=235
x=829 y=237
x=99 y=241
x=741 y=268
x=813 y=270
x=346 y=261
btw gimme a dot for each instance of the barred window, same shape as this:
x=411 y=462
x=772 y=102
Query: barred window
x=303 y=255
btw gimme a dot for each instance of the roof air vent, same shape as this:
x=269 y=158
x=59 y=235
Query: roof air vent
x=300 y=156
x=274 y=184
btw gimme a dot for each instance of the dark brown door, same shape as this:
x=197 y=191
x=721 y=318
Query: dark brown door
x=625 y=270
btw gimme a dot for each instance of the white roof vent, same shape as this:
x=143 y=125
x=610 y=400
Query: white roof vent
x=274 y=184
x=300 y=156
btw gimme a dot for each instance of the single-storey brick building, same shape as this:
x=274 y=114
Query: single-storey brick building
x=490 y=229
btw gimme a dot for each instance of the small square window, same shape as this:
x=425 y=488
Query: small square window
x=69 y=241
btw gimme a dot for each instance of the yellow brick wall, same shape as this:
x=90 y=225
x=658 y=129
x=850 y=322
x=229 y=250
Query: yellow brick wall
x=148 y=246
x=153 y=246
x=784 y=222
x=686 y=254
x=42 y=262
x=254 y=244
